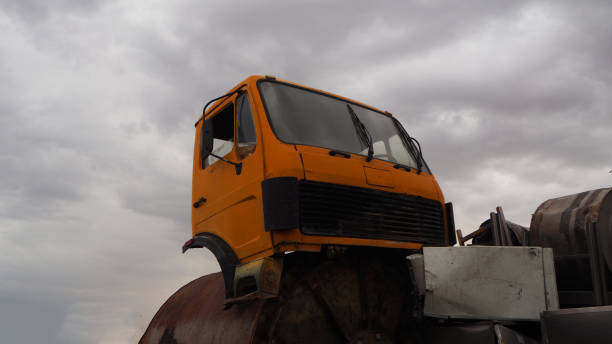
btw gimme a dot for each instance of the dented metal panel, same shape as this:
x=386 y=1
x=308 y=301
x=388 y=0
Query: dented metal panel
x=488 y=282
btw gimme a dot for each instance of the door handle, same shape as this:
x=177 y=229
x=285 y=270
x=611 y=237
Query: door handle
x=199 y=202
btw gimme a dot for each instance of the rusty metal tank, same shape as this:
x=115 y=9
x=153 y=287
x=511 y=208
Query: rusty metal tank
x=579 y=229
x=561 y=223
x=362 y=297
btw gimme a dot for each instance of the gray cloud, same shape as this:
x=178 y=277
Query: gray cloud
x=43 y=316
x=511 y=101
x=36 y=11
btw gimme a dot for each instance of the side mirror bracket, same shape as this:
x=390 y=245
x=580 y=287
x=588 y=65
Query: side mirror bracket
x=237 y=165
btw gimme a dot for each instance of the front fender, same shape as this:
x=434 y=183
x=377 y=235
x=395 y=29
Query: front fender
x=226 y=257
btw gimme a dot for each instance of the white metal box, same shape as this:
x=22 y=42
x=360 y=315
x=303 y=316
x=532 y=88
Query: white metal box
x=489 y=282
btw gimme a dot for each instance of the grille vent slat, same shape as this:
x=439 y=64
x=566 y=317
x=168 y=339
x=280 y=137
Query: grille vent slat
x=332 y=209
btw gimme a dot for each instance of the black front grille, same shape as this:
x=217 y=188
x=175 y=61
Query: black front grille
x=341 y=210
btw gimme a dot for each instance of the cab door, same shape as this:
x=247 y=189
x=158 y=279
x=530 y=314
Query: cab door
x=231 y=197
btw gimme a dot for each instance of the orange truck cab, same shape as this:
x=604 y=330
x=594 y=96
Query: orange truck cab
x=282 y=167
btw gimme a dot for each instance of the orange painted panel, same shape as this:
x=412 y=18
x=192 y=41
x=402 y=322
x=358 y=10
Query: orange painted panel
x=320 y=166
x=375 y=176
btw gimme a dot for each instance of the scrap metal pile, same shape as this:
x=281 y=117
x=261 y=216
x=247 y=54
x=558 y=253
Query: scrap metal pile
x=510 y=285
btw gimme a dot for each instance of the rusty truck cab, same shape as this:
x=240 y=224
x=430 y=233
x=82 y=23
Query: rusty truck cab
x=283 y=167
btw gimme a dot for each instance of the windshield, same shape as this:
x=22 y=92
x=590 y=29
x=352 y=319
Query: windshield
x=304 y=117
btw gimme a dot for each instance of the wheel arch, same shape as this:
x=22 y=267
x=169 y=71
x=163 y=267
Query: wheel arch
x=226 y=257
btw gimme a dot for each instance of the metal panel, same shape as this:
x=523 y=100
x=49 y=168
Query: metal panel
x=280 y=203
x=550 y=279
x=577 y=325
x=417 y=271
x=484 y=282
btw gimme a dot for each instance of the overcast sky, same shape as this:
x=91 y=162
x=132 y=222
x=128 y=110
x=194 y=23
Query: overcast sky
x=511 y=101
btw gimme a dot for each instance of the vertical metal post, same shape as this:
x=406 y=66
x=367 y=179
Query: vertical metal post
x=605 y=297
x=497 y=240
x=503 y=227
x=460 y=237
x=604 y=283
x=595 y=264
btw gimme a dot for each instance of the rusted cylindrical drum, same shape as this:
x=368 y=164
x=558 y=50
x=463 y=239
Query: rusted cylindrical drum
x=357 y=298
x=561 y=223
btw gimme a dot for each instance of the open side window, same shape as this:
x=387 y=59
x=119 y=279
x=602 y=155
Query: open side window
x=221 y=126
x=247 y=137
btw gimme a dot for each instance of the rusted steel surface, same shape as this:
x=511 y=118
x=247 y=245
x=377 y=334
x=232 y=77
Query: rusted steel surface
x=195 y=314
x=560 y=223
x=359 y=297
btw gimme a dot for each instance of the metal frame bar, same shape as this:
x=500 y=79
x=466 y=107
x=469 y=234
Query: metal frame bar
x=497 y=238
x=503 y=227
x=598 y=272
x=460 y=238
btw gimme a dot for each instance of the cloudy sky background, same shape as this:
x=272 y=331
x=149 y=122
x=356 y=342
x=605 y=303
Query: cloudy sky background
x=510 y=100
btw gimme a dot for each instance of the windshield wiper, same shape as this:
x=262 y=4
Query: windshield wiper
x=419 y=153
x=411 y=144
x=362 y=132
